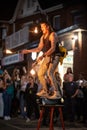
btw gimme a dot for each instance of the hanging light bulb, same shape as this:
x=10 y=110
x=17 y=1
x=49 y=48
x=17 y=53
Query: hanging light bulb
x=36 y=30
x=8 y=51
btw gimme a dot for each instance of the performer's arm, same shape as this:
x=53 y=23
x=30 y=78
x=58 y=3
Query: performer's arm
x=37 y=49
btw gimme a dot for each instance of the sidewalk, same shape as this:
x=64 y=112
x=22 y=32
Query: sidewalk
x=20 y=124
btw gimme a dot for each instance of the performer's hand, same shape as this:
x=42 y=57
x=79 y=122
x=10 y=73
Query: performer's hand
x=37 y=61
x=34 y=64
x=40 y=58
x=25 y=51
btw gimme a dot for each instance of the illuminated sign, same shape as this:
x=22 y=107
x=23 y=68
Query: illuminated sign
x=12 y=59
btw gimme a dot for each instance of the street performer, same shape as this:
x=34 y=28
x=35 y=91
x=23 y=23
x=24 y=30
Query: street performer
x=47 y=44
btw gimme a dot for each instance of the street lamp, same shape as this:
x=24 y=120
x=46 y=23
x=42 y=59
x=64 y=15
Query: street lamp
x=8 y=51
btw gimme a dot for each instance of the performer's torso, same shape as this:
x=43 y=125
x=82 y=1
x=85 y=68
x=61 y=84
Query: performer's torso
x=47 y=44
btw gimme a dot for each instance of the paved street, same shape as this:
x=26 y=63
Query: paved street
x=20 y=124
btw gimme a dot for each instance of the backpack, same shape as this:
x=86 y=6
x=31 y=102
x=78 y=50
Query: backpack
x=63 y=52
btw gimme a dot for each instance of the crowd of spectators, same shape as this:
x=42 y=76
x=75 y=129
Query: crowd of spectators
x=18 y=95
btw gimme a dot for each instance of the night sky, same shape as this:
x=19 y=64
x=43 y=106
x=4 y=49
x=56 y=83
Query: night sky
x=7 y=7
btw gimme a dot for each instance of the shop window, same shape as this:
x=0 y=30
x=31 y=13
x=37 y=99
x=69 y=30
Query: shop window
x=56 y=22
x=79 y=19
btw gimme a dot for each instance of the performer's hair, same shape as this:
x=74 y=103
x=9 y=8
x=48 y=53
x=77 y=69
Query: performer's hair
x=48 y=24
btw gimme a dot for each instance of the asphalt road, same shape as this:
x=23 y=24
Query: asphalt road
x=20 y=124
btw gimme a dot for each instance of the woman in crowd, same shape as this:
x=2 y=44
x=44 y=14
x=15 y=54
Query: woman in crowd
x=66 y=75
x=8 y=95
x=22 y=95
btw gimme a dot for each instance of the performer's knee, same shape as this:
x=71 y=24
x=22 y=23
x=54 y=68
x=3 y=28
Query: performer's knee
x=50 y=74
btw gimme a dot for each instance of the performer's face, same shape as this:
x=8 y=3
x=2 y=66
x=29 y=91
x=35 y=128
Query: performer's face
x=44 y=28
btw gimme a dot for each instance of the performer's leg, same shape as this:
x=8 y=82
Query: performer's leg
x=51 y=70
x=41 y=75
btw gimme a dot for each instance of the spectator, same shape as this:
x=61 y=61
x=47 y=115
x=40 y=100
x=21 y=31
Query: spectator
x=8 y=95
x=66 y=75
x=1 y=71
x=1 y=97
x=84 y=84
x=17 y=84
x=22 y=95
x=30 y=97
x=70 y=91
x=80 y=97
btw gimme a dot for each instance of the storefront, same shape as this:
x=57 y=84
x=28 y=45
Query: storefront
x=11 y=61
x=73 y=38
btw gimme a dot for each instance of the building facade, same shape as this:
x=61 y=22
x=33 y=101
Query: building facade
x=68 y=20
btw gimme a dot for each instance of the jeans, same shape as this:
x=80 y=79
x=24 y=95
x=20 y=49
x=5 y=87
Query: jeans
x=22 y=104
x=7 y=98
x=49 y=68
x=1 y=105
